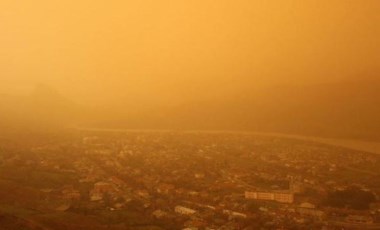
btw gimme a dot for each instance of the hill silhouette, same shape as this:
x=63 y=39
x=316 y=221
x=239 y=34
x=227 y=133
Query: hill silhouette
x=343 y=109
x=42 y=109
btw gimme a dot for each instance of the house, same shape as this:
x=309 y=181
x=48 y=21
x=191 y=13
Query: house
x=307 y=205
x=165 y=188
x=69 y=193
x=100 y=189
x=103 y=187
x=117 y=181
x=159 y=214
x=143 y=193
x=184 y=211
x=96 y=196
x=355 y=219
x=311 y=212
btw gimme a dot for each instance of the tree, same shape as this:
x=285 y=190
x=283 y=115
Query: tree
x=352 y=197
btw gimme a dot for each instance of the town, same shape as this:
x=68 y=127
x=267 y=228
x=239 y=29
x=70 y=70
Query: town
x=186 y=180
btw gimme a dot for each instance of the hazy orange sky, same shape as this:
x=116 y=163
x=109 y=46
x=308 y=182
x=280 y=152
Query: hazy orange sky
x=168 y=51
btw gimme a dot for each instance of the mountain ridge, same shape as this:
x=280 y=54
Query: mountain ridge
x=342 y=109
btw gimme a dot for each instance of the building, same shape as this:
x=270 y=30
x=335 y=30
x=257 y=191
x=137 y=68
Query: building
x=69 y=193
x=307 y=205
x=159 y=214
x=96 y=196
x=184 y=211
x=165 y=188
x=278 y=196
x=118 y=182
x=355 y=219
x=103 y=187
x=100 y=189
x=308 y=210
x=233 y=214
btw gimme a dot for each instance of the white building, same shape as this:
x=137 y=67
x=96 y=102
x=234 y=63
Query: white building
x=184 y=211
x=279 y=196
x=234 y=214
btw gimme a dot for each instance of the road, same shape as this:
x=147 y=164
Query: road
x=360 y=145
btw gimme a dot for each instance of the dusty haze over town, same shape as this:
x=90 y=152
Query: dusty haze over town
x=198 y=114
x=297 y=67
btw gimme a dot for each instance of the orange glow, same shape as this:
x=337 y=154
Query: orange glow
x=171 y=51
